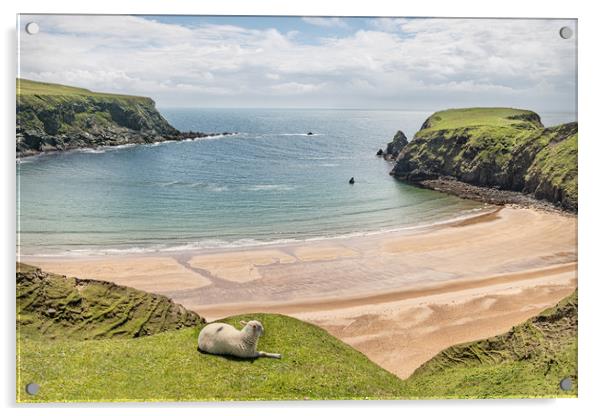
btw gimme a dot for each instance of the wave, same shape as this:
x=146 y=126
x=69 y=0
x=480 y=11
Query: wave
x=91 y=150
x=217 y=188
x=213 y=187
x=209 y=186
x=170 y=183
x=198 y=139
x=248 y=243
x=104 y=149
x=271 y=187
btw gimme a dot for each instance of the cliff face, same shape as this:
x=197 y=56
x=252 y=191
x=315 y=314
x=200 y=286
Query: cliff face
x=57 y=117
x=495 y=147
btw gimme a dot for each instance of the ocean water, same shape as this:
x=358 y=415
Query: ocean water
x=270 y=182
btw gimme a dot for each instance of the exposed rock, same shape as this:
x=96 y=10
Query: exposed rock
x=396 y=145
x=486 y=194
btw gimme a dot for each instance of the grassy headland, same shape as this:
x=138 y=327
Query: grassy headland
x=54 y=117
x=504 y=148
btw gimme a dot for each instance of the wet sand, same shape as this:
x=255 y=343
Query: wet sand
x=400 y=297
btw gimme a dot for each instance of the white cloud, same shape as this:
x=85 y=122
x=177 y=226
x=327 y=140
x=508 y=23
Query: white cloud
x=409 y=63
x=387 y=24
x=325 y=21
x=296 y=87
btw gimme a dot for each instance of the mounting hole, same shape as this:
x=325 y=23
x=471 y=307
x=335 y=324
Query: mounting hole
x=32 y=388
x=566 y=32
x=566 y=384
x=32 y=28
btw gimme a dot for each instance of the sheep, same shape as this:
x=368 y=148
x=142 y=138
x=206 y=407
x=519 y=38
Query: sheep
x=223 y=339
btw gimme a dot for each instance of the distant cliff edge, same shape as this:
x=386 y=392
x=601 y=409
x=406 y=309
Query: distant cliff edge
x=53 y=117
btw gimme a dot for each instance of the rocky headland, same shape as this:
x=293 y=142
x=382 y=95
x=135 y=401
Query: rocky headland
x=52 y=117
x=497 y=155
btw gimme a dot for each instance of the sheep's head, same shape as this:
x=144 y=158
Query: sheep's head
x=253 y=327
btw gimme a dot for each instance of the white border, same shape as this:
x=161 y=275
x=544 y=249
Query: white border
x=590 y=155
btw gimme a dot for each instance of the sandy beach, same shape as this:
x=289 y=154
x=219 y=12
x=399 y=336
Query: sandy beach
x=400 y=297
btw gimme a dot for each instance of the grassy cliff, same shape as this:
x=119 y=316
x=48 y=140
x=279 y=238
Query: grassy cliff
x=59 y=117
x=495 y=147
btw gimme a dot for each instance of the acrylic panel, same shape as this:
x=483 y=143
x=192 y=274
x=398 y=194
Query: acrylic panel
x=217 y=208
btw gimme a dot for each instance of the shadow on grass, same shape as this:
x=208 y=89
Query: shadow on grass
x=228 y=357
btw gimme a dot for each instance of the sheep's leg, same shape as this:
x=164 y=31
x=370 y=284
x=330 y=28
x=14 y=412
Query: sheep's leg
x=268 y=354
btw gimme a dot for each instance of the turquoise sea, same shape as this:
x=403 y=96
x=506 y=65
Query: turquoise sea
x=270 y=182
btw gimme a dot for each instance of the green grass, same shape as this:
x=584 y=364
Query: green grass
x=557 y=164
x=481 y=116
x=92 y=348
x=26 y=87
x=168 y=367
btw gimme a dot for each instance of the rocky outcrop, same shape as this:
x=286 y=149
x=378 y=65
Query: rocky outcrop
x=501 y=148
x=53 y=117
x=394 y=147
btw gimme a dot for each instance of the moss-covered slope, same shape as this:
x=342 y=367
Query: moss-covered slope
x=528 y=361
x=58 y=117
x=495 y=147
x=59 y=307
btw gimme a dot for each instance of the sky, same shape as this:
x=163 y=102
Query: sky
x=308 y=62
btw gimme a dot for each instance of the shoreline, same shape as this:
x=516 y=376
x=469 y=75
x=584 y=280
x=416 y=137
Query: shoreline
x=141 y=141
x=473 y=215
x=494 y=196
x=430 y=287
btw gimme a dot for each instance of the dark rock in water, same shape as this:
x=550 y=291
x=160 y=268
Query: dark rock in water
x=310 y=133
x=352 y=180
x=380 y=152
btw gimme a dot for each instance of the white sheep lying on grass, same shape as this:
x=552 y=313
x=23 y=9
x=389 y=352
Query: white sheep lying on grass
x=223 y=339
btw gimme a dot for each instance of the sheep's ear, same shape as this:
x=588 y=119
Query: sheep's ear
x=243 y=323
